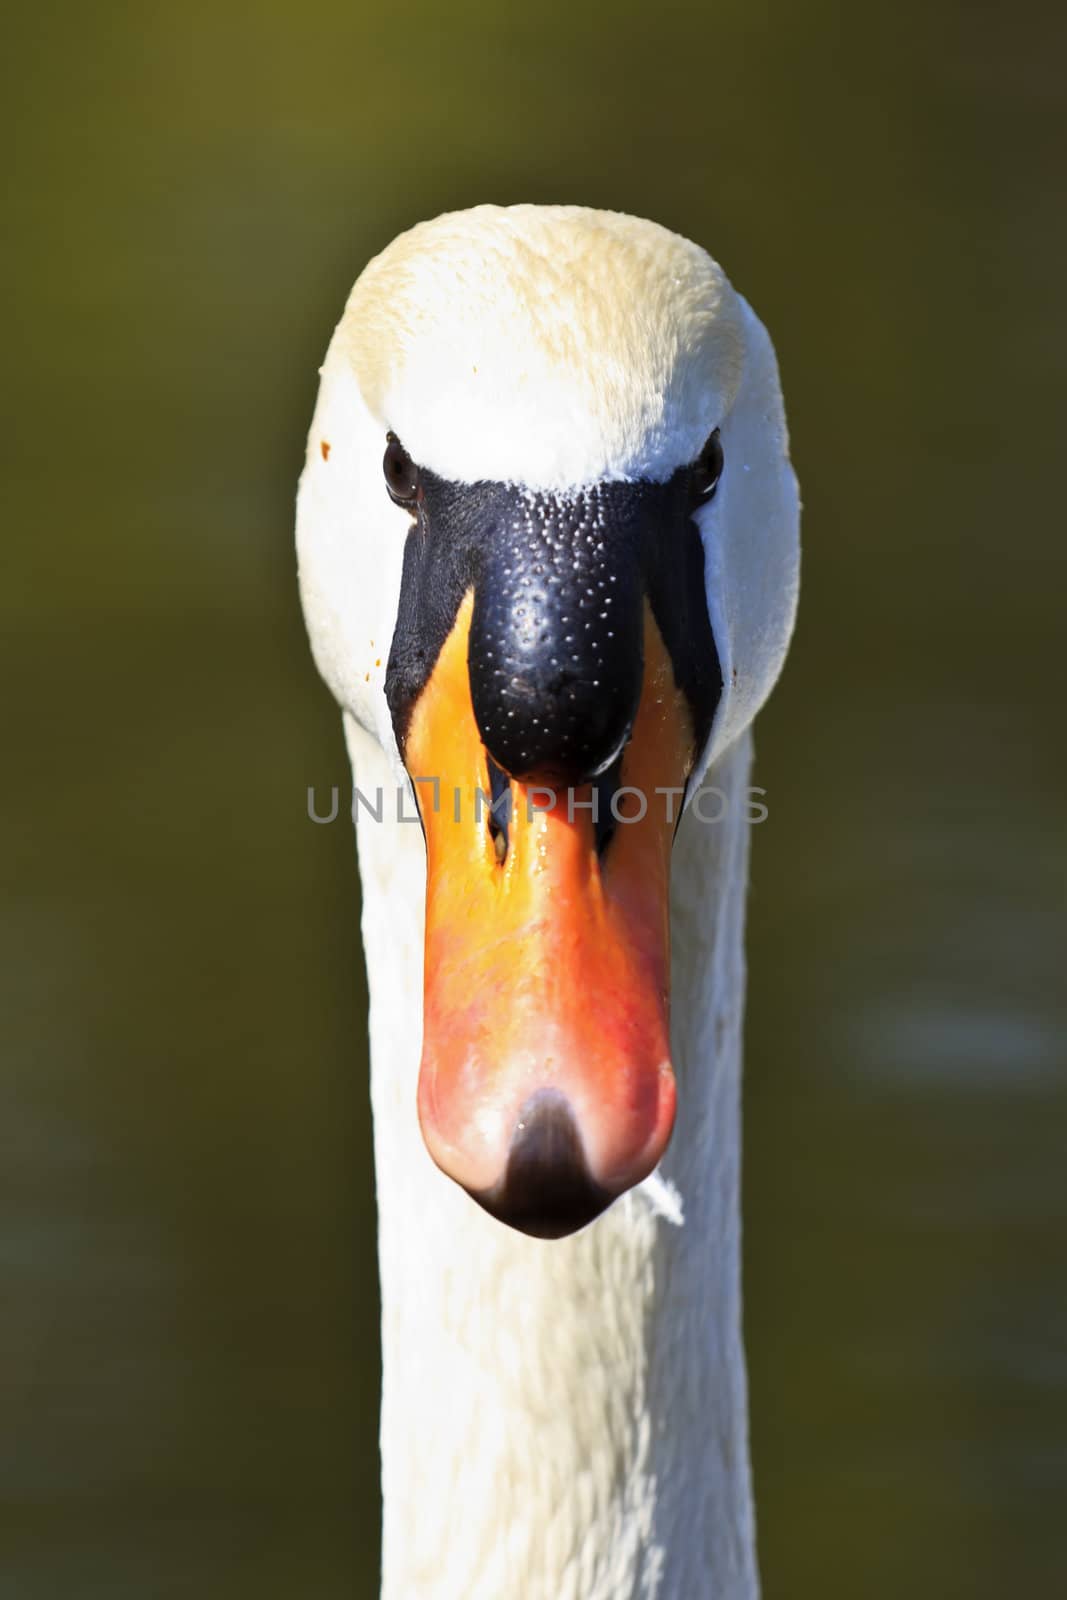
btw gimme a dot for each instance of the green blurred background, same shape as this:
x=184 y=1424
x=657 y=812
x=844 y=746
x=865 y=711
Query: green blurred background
x=188 y=1334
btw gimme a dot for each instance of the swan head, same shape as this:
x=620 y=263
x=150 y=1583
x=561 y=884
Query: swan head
x=547 y=531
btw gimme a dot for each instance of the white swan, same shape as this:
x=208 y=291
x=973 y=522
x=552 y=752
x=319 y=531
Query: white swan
x=561 y=1420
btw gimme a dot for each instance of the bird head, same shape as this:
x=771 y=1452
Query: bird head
x=548 y=557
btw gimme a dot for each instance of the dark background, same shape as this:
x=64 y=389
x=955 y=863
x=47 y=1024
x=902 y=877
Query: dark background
x=188 y=1331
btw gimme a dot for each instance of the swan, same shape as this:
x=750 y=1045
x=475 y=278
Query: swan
x=547 y=531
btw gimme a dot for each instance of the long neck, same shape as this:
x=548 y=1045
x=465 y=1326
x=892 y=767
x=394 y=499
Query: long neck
x=565 y=1419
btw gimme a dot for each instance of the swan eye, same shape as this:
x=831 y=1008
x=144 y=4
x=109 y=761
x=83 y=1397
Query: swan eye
x=401 y=473
x=707 y=469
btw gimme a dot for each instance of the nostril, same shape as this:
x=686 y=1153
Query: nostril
x=604 y=820
x=499 y=809
x=546 y=1190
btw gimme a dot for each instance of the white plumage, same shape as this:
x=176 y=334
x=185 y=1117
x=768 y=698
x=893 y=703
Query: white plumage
x=561 y=1420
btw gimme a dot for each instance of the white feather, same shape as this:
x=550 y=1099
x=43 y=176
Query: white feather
x=564 y=1420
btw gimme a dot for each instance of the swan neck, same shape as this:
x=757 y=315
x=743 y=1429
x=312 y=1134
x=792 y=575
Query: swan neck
x=566 y=1419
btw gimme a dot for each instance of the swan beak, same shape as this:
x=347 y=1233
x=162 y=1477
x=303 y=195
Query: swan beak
x=546 y=1087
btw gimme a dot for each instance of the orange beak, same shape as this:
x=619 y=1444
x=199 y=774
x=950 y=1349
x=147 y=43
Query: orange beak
x=546 y=1087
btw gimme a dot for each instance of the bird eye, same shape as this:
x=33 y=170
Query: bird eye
x=401 y=473
x=707 y=469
